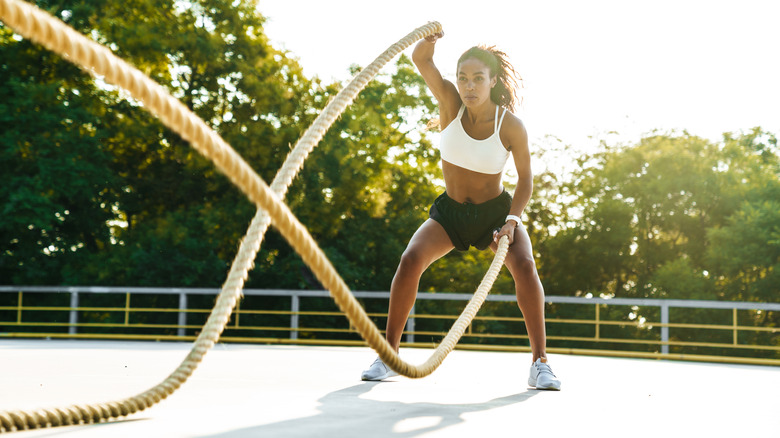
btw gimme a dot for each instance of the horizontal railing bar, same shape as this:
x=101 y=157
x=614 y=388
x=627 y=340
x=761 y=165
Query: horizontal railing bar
x=421 y=333
x=347 y=331
x=171 y=326
x=653 y=302
x=100 y=325
x=659 y=302
x=111 y=290
x=740 y=328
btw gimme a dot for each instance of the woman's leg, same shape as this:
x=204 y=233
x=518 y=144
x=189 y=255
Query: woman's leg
x=528 y=288
x=429 y=243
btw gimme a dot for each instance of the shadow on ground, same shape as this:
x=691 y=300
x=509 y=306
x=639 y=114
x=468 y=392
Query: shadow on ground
x=344 y=413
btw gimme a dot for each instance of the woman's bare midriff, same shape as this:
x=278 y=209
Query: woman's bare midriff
x=465 y=185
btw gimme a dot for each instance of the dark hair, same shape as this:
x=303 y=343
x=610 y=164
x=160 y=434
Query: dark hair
x=508 y=80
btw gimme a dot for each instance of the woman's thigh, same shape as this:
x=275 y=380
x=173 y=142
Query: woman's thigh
x=429 y=243
x=520 y=254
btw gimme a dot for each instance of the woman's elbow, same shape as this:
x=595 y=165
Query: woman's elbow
x=418 y=59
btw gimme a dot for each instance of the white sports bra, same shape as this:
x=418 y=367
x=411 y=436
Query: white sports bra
x=483 y=156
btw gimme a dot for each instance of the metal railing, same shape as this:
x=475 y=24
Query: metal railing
x=736 y=332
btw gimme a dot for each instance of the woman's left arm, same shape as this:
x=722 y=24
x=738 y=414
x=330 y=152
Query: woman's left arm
x=516 y=137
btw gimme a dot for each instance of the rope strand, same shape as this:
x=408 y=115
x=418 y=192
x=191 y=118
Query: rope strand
x=39 y=26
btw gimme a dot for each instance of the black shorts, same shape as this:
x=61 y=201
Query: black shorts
x=470 y=224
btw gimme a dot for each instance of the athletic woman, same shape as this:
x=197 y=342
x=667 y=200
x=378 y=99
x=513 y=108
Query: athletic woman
x=479 y=134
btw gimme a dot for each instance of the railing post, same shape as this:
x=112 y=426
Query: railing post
x=734 y=322
x=74 y=314
x=127 y=308
x=410 y=327
x=664 y=328
x=598 y=321
x=19 y=308
x=182 y=331
x=294 y=309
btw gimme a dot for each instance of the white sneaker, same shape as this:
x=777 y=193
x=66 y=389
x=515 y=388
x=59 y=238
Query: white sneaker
x=542 y=376
x=378 y=371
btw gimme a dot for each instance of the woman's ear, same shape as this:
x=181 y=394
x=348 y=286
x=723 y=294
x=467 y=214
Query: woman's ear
x=493 y=81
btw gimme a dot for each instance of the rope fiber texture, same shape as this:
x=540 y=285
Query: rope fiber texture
x=39 y=26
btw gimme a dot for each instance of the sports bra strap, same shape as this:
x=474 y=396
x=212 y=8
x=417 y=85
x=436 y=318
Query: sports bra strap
x=496 y=121
x=498 y=127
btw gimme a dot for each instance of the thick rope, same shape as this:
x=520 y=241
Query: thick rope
x=41 y=27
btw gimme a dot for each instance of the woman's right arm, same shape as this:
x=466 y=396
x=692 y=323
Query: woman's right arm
x=443 y=90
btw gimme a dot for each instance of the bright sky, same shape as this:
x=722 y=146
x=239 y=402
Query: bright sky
x=589 y=67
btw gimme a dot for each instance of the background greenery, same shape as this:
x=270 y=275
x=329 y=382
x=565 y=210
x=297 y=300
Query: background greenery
x=97 y=192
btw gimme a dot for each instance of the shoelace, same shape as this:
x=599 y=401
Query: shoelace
x=544 y=368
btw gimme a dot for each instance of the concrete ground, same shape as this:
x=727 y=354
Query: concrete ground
x=292 y=391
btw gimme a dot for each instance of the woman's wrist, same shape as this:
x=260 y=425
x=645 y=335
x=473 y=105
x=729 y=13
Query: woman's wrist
x=512 y=217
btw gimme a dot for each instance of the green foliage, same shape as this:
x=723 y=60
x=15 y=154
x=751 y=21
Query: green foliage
x=58 y=191
x=745 y=253
x=99 y=192
x=655 y=218
x=679 y=279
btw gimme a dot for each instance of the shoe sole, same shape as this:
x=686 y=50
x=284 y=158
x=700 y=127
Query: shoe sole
x=544 y=388
x=378 y=378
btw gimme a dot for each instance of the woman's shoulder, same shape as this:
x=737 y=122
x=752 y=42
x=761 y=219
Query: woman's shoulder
x=510 y=118
x=449 y=106
x=513 y=130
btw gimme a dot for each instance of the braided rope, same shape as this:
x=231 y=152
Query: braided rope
x=46 y=30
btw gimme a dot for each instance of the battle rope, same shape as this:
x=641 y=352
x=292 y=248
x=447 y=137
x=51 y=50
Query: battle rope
x=39 y=26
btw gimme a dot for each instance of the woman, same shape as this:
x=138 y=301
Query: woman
x=478 y=136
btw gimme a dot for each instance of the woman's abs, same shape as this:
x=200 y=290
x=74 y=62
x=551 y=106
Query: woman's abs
x=464 y=185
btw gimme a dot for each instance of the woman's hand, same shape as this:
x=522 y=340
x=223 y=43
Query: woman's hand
x=432 y=38
x=507 y=230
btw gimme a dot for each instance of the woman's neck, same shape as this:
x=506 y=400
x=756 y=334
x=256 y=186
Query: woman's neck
x=482 y=113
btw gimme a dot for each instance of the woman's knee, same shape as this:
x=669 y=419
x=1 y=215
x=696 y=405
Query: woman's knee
x=412 y=260
x=522 y=267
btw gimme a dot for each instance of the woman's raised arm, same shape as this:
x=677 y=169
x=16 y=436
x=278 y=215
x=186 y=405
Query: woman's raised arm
x=443 y=90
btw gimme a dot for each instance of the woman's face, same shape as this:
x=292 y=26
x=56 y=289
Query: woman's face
x=474 y=82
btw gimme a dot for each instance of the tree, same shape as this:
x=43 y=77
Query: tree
x=167 y=217
x=647 y=212
x=59 y=191
x=160 y=214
